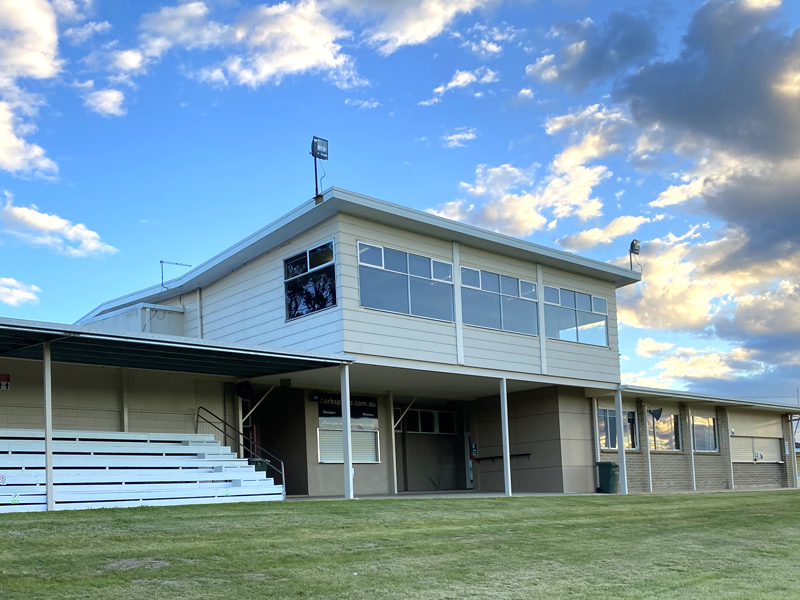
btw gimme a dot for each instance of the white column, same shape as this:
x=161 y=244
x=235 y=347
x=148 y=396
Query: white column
x=793 y=455
x=647 y=448
x=347 y=443
x=504 y=426
x=540 y=311
x=691 y=447
x=623 y=472
x=730 y=450
x=457 y=298
x=48 y=426
x=237 y=405
x=390 y=398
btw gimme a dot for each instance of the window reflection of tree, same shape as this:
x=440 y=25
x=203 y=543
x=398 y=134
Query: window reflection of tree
x=311 y=292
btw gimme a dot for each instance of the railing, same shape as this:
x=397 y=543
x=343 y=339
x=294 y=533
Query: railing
x=263 y=454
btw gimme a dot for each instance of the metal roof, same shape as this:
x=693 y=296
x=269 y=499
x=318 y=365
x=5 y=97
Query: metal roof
x=631 y=391
x=85 y=345
x=334 y=201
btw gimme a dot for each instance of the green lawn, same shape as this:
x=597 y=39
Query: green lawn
x=725 y=545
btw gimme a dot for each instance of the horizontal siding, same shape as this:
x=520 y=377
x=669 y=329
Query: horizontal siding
x=501 y=350
x=479 y=259
x=379 y=333
x=130 y=321
x=247 y=305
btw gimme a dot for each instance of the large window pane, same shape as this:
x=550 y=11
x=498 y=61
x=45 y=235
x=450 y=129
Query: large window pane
x=705 y=438
x=519 y=315
x=560 y=323
x=394 y=260
x=607 y=428
x=592 y=329
x=370 y=255
x=664 y=432
x=311 y=292
x=383 y=289
x=480 y=308
x=431 y=299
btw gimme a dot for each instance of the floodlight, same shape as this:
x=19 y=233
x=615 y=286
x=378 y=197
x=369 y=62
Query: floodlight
x=319 y=148
x=634 y=244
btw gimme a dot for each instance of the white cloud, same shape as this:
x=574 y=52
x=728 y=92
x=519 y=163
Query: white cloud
x=72 y=10
x=14 y=293
x=590 y=238
x=409 y=22
x=484 y=48
x=525 y=95
x=107 y=102
x=544 y=68
x=462 y=79
x=648 y=347
x=17 y=155
x=363 y=104
x=458 y=137
x=41 y=229
x=79 y=35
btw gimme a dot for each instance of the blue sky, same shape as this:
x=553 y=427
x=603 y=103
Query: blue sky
x=134 y=132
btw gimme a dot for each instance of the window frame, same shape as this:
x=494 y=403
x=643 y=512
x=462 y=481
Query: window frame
x=341 y=460
x=286 y=280
x=535 y=300
x=435 y=411
x=716 y=449
x=577 y=311
x=634 y=430
x=408 y=275
x=651 y=432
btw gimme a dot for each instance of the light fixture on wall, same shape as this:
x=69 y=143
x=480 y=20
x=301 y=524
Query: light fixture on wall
x=634 y=249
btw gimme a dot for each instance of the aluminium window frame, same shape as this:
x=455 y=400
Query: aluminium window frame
x=717 y=449
x=576 y=310
x=651 y=434
x=332 y=242
x=502 y=295
x=635 y=429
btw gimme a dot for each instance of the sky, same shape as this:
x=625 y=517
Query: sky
x=136 y=132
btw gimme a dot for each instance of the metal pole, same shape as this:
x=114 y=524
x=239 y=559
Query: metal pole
x=691 y=447
x=316 y=183
x=390 y=398
x=48 y=426
x=647 y=447
x=730 y=450
x=596 y=439
x=347 y=443
x=504 y=426
x=623 y=471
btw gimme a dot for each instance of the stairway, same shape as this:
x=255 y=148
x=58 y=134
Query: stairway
x=105 y=469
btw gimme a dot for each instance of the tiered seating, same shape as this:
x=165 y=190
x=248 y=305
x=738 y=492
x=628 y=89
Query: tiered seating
x=100 y=469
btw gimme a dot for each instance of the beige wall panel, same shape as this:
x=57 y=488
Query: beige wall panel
x=756 y=424
x=579 y=480
x=543 y=480
x=577 y=453
x=575 y=426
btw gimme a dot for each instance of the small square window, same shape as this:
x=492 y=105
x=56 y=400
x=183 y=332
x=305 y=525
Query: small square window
x=419 y=266
x=412 y=421
x=567 y=298
x=370 y=255
x=470 y=277
x=600 y=305
x=447 y=422
x=490 y=281
x=297 y=265
x=551 y=295
x=394 y=260
x=321 y=255
x=527 y=290
x=509 y=286
x=584 y=302
x=426 y=422
x=442 y=271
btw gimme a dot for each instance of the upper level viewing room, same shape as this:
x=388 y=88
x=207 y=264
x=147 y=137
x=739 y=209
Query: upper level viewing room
x=349 y=273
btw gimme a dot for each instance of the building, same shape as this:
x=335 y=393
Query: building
x=471 y=360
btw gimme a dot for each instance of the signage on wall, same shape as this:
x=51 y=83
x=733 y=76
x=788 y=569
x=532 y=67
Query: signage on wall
x=5 y=381
x=363 y=412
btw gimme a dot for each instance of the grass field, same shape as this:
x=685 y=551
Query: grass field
x=740 y=545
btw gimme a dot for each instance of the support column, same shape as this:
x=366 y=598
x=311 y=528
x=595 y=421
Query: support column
x=647 y=448
x=691 y=447
x=506 y=445
x=347 y=443
x=390 y=398
x=48 y=426
x=596 y=436
x=123 y=409
x=793 y=455
x=730 y=450
x=623 y=472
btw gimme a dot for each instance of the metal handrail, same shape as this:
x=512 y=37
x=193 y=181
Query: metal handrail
x=262 y=451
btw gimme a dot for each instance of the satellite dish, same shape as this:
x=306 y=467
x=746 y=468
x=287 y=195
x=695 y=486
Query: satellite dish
x=656 y=412
x=245 y=390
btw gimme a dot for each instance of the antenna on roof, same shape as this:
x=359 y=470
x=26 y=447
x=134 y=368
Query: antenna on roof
x=166 y=262
x=319 y=150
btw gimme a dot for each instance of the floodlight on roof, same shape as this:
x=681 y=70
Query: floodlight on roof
x=319 y=150
x=634 y=249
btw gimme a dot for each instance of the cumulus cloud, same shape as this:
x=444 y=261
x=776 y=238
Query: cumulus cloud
x=648 y=347
x=407 y=23
x=14 y=293
x=16 y=155
x=590 y=238
x=458 y=137
x=82 y=33
x=462 y=79
x=38 y=228
x=592 y=52
x=107 y=102
x=72 y=10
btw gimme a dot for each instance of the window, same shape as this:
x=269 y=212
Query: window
x=405 y=283
x=365 y=446
x=575 y=317
x=310 y=281
x=665 y=431
x=426 y=421
x=498 y=302
x=607 y=428
x=364 y=435
x=705 y=434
